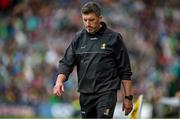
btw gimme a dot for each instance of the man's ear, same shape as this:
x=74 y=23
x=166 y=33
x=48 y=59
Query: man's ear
x=100 y=17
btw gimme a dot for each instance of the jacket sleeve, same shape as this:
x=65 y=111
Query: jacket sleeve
x=67 y=63
x=122 y=59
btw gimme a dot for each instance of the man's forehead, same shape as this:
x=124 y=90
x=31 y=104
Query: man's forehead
x=89 y=15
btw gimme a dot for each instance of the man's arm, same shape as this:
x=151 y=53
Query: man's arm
x=66 y=65
x=127 y=103
x=124 y=71
x=59 y=86
x=127 y=85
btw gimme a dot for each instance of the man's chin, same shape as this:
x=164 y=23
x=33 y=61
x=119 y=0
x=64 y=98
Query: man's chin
x=91 y=32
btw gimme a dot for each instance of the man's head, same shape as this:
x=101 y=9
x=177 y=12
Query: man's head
x=91 y=15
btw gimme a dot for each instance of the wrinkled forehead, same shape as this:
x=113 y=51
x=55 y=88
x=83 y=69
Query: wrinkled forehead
x=90 y=15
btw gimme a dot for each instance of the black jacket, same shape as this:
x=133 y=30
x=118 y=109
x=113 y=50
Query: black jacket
x=102 y=60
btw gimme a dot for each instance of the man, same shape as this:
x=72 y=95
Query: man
x=102 y=65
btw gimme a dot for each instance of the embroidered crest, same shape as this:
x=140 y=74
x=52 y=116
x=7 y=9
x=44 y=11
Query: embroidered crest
x=106 y=112
x=103 y=46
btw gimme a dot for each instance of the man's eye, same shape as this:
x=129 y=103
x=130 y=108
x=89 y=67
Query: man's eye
x=91 y=19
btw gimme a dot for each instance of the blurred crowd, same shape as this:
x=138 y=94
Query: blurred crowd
x=35 y=33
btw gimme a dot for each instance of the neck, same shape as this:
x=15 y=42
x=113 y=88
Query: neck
x=98 y=28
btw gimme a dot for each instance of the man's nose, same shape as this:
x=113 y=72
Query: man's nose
x=88 y=23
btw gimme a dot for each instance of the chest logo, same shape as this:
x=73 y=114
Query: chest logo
x=103 y=46
x=82 y=47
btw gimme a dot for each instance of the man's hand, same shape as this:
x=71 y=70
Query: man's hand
x=58 y=89
x=127 y=106
x=59 y=86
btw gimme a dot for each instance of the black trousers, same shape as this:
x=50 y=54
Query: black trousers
x=99 y=105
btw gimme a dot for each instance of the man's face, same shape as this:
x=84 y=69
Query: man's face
x=91 y=22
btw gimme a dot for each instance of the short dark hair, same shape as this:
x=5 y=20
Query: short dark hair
x=91 y=7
